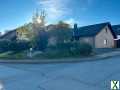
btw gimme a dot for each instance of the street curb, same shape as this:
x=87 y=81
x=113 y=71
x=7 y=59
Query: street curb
x=64 y=60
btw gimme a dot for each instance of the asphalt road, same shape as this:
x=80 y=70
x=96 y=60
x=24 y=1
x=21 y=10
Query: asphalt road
x=95 y=75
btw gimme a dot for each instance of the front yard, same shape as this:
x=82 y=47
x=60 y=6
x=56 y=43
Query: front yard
x=39 y=55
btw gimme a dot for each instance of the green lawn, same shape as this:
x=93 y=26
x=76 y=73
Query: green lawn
x=56 y=54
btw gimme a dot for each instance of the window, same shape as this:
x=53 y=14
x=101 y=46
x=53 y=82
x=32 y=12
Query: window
x=105 y=42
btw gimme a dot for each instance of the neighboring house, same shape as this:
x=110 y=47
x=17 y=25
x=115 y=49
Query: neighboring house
x=59 y=35
x=10 y=35
x=51 y=27
x=98 y=35
x=116 y=29
x=101 y=35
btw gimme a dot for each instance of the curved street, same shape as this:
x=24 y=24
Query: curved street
x=94 y=75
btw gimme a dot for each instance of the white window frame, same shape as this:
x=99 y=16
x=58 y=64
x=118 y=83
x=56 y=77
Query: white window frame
x=105 y=42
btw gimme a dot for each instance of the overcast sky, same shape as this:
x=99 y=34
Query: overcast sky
x=14 y=13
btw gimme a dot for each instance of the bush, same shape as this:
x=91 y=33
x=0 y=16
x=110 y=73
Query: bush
x=40 y=41
x=18 y=46
x=81 y=49
x=64 y=46
x=4 y=45
x=72 y=49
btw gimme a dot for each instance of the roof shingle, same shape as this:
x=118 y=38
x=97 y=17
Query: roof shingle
x=116 y=29
x=91 y=30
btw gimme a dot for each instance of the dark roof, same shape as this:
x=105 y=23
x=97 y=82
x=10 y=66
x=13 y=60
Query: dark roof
x=116 y=29
x=93 y=30
x=60 y=32
x=11 y=35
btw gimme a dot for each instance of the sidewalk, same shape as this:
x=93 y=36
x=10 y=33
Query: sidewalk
x=65 y=60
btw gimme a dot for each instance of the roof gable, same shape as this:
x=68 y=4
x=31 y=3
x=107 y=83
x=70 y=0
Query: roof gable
x=91 y=30
x=108 y=32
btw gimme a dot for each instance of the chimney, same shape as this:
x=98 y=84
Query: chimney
x=75 y=27
x=75 y=32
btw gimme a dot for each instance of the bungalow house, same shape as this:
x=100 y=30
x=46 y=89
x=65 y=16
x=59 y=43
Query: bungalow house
x=10 y=35
x=116 y=29
x=97 y=35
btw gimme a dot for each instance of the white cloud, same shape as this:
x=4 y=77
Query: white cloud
x=70 y=21
x=85 y=4
x=54 y=8
x=57 y=9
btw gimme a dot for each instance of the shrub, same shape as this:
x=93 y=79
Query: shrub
x=81 y=49
x=18 y=46
x=72 y=49
x=64 y=46
x=40 y=41
x=4 y=45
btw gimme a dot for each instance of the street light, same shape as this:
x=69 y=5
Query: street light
x=30 y=54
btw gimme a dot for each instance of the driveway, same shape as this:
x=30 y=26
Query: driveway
x=95 y=75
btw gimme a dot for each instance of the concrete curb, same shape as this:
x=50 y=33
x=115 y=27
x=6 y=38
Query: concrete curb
x=65 y=60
